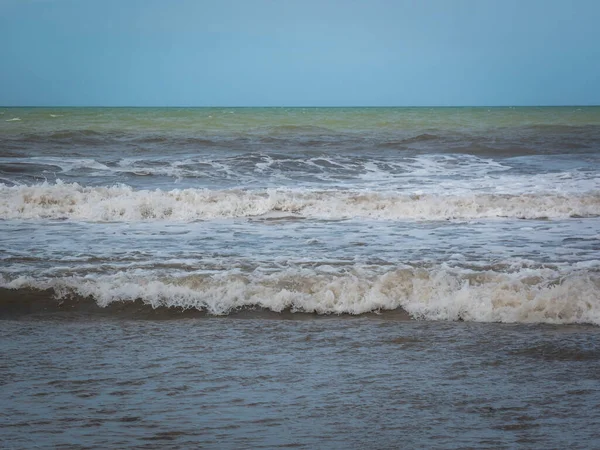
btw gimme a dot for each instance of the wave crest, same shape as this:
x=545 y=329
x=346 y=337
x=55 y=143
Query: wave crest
x=122 y=203
x=536 y=296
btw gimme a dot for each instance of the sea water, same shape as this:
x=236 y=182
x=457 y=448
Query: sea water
x=291 y=249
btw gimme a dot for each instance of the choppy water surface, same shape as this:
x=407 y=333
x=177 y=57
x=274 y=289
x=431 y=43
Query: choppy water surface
x=459 y=215
x=368 y=382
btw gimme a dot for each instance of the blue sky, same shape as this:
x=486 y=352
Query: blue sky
x=299 y=52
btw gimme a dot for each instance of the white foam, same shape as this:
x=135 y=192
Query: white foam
x=123 y=203
x=442 y=293
x=69 y=164
x=423 y=174
x=65 y=164
x=14 y=119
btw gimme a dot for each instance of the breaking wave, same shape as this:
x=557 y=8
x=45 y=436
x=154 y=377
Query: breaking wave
x=123 y=203
x=442 y=293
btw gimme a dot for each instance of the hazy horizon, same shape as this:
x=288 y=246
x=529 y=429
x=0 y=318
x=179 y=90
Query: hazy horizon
x=296 y=106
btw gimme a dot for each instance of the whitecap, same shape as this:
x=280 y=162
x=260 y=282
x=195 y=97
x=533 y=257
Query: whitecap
x=440 y=293
x=123 y=203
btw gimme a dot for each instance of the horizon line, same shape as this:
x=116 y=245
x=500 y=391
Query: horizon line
x=311 y=107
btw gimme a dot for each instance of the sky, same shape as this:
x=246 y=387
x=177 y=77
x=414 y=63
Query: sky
x=299 y=52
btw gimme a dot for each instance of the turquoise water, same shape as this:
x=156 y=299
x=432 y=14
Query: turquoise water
x=253 y=119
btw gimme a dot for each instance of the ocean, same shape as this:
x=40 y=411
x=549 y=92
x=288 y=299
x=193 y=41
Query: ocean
x=300 y=277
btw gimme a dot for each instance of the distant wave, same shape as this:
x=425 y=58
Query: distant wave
x=123 y=203
x=286 y=129
x=442 y=293
x=503 y=142
x=257 y=167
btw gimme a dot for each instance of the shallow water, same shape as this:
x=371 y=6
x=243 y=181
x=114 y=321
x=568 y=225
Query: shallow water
x=367 y=382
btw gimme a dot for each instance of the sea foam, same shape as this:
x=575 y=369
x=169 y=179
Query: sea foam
x=123 y=203
x=440 y=293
